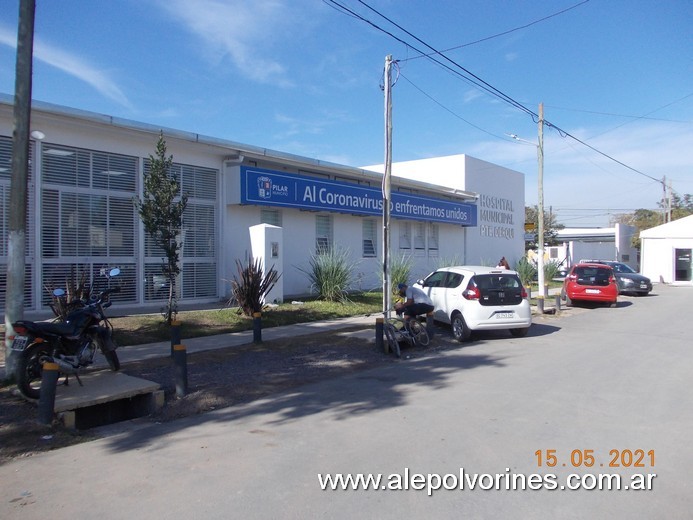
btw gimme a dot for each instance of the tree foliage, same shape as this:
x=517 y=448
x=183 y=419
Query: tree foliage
x=161 y=211
x=642 y=219
x=551 y=227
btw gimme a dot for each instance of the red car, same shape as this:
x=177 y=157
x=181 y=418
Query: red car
x=590 y=282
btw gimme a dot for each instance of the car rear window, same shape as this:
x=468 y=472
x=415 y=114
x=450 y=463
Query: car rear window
x=589 y=275
x=498 y=289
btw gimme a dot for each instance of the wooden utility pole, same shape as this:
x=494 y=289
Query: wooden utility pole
x=386 y=187
x=16 y=243
x=540 y=207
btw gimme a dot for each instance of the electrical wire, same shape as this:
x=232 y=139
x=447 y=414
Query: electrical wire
x=477 y=81
x=510 y=30
x=449 y=110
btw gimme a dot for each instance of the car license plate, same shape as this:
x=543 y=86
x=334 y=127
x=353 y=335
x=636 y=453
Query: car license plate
x=643 y=286
x=19 y=343
x=592 y=291
x=504 y=315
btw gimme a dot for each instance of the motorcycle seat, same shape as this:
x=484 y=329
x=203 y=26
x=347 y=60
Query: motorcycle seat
x=55 y=328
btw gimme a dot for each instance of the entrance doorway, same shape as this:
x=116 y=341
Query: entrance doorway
x=683 y=265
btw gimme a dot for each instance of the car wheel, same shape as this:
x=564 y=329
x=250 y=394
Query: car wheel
x=459 y=328
x=519 y=333
x=566 y=298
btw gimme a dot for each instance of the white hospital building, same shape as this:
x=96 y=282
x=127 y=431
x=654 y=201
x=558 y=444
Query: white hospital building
x=243 y=201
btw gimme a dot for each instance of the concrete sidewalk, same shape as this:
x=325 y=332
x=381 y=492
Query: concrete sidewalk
x=199 y=344
x=130 y=353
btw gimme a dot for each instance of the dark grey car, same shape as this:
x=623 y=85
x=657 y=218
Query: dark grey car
x=629 y=281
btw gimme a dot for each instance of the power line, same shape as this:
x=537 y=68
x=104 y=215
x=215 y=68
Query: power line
x=474 y=79
x=508 y=31
x=449 y=110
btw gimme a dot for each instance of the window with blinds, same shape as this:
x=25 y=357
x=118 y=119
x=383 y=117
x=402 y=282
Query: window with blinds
x=432 y=238
x=96 y=275
x=198 y=277
x=5 y=179
x=5 y=176
x=88 y=220
x=369 y=238
x=28 y=285
x=273 y=217
x=405 y=235
x=420 y=237
x=323 y=234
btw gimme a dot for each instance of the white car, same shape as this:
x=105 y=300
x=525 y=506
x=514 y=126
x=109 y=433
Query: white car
x=478 y=298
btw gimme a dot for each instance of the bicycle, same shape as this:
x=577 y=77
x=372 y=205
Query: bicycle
x=397 y=330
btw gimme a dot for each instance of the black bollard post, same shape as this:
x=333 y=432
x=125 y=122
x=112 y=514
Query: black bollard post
x=180 y=360
x=175 y=335
x=49 y=382
x=558 y=303
x=540 y=304
x=379 y=329
x=257 y=327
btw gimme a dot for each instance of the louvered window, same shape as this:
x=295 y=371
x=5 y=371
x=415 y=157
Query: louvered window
x=76 y=167
x=405 y=235
x=369 y=238
x=88 y=220
x=28 y=285
x=199 y=235
x=272 y=217
x=323 y=234
x=420 y=237
x=199 y=280
x=5 y=181
x=198 y=277
x=433 y=238
x=64 y=274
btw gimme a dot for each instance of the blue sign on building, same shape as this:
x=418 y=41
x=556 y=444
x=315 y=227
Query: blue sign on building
x=271 y=188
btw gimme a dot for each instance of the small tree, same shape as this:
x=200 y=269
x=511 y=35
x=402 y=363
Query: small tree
x=161 y=211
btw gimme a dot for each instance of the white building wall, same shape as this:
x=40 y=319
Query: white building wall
x=502 y=190
x=658 y=249
x=501 y=205
x=659 y=258
x=299 y=244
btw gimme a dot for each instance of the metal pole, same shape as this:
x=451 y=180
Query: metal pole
x=16 y=241
x=540 y=216
x=386 y=187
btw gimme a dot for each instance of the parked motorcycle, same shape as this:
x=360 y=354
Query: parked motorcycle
x=71 y=344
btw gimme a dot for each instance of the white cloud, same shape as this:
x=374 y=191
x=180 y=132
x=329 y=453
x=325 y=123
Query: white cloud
x=586 y=187
x=240 y=30
x=72 y=65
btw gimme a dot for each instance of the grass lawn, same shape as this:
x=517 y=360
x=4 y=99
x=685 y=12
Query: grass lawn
x=150 y=328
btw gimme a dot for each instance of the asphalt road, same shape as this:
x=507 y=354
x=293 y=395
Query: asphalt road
x=614 y=381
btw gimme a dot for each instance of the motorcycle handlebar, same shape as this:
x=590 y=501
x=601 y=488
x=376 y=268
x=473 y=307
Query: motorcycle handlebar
x=110 y=291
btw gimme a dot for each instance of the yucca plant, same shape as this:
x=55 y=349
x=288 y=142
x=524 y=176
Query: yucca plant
x=400 y=270
x=330 y=274
x=551 y=270
x=77 y=288
x=526 y=271
x=251 y=286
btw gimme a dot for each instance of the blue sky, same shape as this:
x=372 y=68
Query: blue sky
x=300 y=76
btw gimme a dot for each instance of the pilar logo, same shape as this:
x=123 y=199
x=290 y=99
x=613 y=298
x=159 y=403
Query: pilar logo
x=264 y=187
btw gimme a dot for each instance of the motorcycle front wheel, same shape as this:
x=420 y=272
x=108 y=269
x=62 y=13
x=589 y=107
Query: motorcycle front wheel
x=30 y=369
